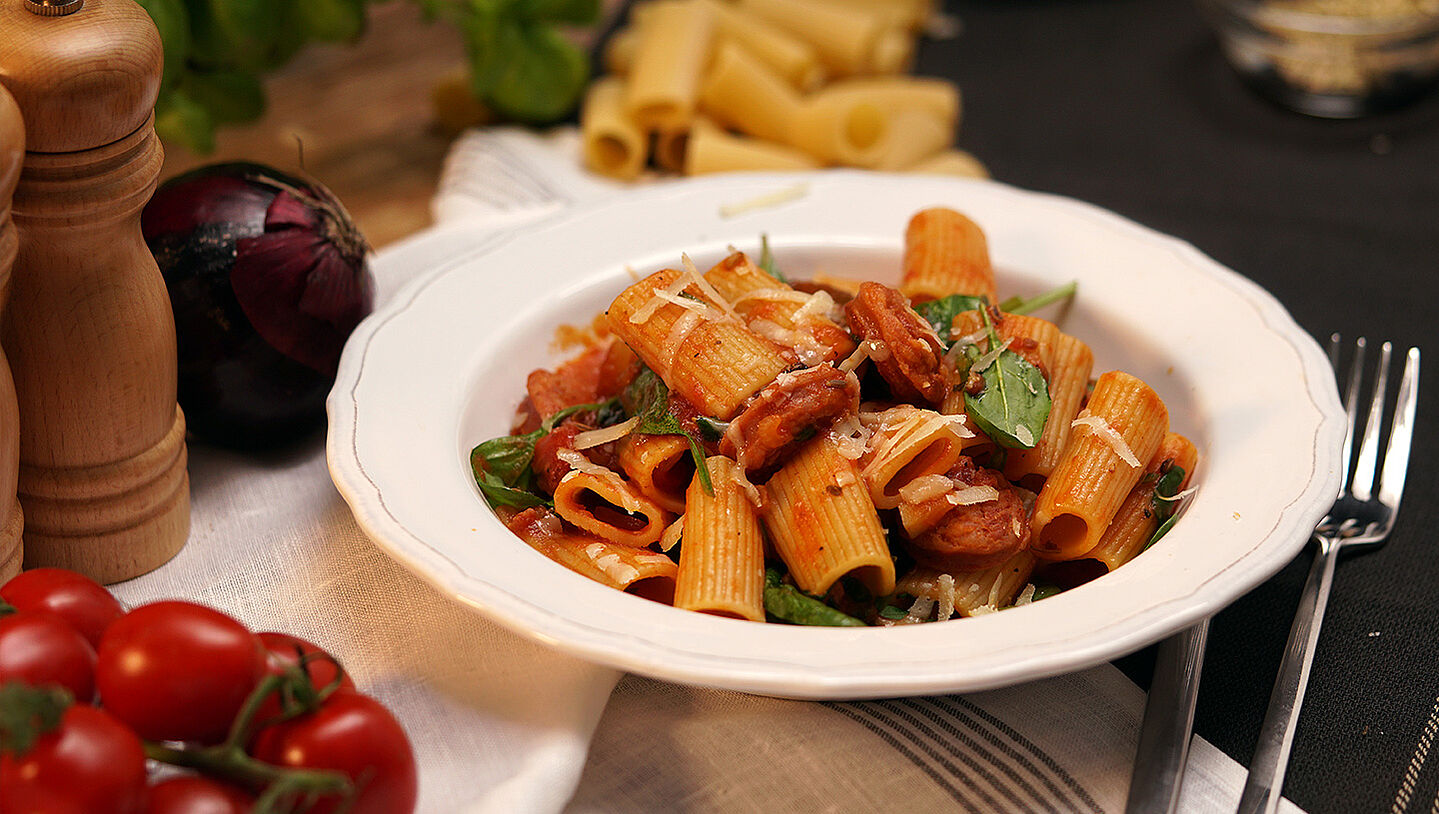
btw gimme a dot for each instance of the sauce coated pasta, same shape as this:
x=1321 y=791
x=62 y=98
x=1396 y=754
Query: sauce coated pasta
x=836 y=453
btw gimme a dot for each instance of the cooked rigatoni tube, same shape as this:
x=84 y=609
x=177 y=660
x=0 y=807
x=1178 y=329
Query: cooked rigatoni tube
x=674 y=44
x=1135 y=522
x=741 y=92
x=613 y=144
x=698 y=346
x=721 y=567
x=950 y=162
x=908 y=443
x=791 y=58
x=602 y=503
x=659 y=466
x=1112 y=440
x=636 y=570
x=1070 y=362
x=844 y=37
x=945 y=253
x=823 y=523
x=970 y=593
x=804 y=322
x=708 y=149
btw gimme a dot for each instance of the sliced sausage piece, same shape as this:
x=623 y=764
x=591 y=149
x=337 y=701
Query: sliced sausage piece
x=793 y=408
x=912 y=363
x=978 y=535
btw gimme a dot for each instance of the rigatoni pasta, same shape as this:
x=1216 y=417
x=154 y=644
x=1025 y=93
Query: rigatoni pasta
x=765 y=449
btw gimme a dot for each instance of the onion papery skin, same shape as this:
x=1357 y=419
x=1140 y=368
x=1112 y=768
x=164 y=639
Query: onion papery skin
x=267 y=279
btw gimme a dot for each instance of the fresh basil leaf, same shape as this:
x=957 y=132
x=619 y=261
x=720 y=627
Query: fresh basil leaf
x=648 y=397
x=181 y=120
x=790 y=604
x=331 y=20
x=603 y=411
x=1014 y=404
x=711 y=429
x=766 y=260
x=941 y=313
x=497 y=494
x=229 y=96
x=1164 y=506
x=542 y=76
x=1020 y=305
x=1045 y=591
x=173 y=22
x=565 y=12
x=507 y=457
x=892 y=613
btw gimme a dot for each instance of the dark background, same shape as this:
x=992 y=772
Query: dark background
x=1129 y=104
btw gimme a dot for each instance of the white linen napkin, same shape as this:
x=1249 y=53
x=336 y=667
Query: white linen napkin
x=500 y=724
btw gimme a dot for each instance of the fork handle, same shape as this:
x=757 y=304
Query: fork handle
x=1265 y=785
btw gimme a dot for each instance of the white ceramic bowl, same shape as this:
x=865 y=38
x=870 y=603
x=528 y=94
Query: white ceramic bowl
x=442 y=366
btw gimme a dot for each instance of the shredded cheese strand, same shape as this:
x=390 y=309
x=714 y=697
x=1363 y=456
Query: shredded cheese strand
x=1098 y=426
x=604 y=435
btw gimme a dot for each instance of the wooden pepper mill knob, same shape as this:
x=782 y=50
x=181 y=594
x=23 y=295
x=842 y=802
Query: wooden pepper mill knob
x=89 y=331
x=12 y=154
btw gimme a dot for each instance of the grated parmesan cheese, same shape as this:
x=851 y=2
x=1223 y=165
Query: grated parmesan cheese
x=970 y=495
x=925 y=488
x=919 y=611
x=1026 y=596
x=679 y=332
x=610 y=565
x=982 y=363
x=1098 y=426
x=1023 y=435
x=946 y=598
x=604 y=435
x=672 y=534
x=780 y=196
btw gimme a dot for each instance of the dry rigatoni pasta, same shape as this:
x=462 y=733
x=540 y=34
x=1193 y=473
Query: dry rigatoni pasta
x=741 y=92
x=721 y=568
x=708 y=149
x=669 y=58
x=1115 y=435
x=844 y=37
x=945 y=253
x=791 y=58
x=823 y=523
x=1136 y=522
x=612 y=143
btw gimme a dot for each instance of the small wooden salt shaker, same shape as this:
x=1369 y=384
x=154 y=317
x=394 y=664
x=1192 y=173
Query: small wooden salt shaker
x=88 y=330
x=12 y=154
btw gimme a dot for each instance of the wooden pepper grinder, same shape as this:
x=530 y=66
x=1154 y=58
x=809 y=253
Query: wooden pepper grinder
x=12 y=154
x=89 y=331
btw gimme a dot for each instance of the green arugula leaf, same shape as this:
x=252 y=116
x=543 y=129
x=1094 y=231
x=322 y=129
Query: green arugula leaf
x=1014 y=404
x=766 y=260
x=501 y=466
x=497 y=494
x=1020 y=305
x=648 y=397
x=1045 y=591
x=792 y=605
x=1164 y=506
x=941 y=313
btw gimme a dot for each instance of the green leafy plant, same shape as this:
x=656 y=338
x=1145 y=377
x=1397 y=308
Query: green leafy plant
x=1013 y=405
x=217 y=51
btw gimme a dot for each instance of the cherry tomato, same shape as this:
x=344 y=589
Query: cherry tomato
x=286 y=650
x=356 y=735
x=90 y=764
x=178 y=671
x=39 y=647
x=79 y=600
x=193 y=794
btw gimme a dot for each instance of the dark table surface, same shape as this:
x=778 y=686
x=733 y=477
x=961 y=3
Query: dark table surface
x=1128 y=104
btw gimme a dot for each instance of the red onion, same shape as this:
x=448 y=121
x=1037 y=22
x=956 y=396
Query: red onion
x=267 y=278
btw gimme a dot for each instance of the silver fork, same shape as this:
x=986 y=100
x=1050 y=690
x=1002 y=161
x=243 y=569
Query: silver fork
x=1362 y=515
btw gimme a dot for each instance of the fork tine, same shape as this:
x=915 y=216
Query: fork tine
x=1368 y=463
x=1401 y=434
x=1351 y=408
